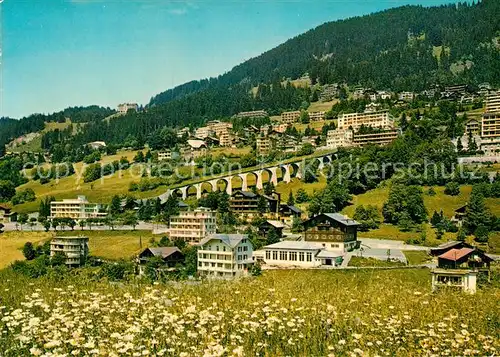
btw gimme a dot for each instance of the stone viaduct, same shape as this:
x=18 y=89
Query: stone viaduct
x=290 y=170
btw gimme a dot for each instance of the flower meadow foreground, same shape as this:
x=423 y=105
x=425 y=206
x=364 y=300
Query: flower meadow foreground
x=283 y=313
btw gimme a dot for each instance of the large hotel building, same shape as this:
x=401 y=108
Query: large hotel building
x=77 y=209
x=346 y=134
x=193 y=226
x=490 y=126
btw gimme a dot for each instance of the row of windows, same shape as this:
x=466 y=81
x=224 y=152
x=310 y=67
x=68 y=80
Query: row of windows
x=290 y=256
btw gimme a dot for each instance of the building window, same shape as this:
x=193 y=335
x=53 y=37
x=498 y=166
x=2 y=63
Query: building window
x=268 y=255
x=239 y=249
x=283 y=255
x=301 y=256
x=293 y=256
x=245 y=248
x=275 y=255
x=217 y=248
x=309 y=257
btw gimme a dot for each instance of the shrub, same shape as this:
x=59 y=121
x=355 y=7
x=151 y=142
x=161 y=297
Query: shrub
x=452 y=189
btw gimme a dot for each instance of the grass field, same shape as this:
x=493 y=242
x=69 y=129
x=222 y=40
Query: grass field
x=282 y=313
x=416 y=257
x=111 y=245
x=372 y=262
x=11 y=244
x=317 y=125
x=321 y=106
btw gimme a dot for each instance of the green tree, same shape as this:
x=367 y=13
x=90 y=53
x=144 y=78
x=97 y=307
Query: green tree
x=302 y=196
x=22 y=219
x=272 y=237
x=115 y=206
x=304 y=117
x=476 y=213
x=452 y=189
x=461 y=235
x=291 y=199
x=130 y=219
x=29 y=251
x=269 y=188
x=481 y=234
x=262 y=205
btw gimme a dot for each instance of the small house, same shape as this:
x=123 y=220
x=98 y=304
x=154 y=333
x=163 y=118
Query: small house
x=265 y=227
x=443 y=248
x=171 y=256
x=468 y=258
x=6 y=214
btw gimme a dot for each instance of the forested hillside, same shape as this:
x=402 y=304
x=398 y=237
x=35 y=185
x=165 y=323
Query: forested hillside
x=406 y=48
x=398 y=49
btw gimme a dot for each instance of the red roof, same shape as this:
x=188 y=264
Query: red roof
x=456 y=254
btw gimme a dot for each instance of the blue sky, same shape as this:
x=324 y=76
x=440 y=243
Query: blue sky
x=57 y=54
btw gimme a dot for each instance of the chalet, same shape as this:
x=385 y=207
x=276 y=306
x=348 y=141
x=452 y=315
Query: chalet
x=289 y=212
x=459 y=215
x=171 y=256
x=6 y=214
x=443 y=248
x=247 y=203
x=468 y=258
x=265 y=227
x=332 y=230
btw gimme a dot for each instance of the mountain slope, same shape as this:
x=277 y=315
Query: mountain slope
x=392 y=48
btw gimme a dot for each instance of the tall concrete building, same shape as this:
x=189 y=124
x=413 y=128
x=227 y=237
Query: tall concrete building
x=381 y=119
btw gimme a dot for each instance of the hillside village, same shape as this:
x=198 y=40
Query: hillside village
x=337 y=195
x=244 y=204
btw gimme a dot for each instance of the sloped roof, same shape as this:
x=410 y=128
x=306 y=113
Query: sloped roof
x=449 y=244
x=163 y=252
x=344 y=220
x=456 y=254
x=288 y=244
x=232 y=240
x=196 y=144
x=292 y=208
x=248 y=194
x=276 y=224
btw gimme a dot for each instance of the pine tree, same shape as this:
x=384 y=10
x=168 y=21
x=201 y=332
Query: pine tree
x=291 y=199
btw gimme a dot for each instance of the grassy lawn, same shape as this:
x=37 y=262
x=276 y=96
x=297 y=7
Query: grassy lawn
x=318 y=125
x=111 y=245
x=321 y=106
x=11 y=244
x=114 y=244
x=372 y=262
x=416 y=257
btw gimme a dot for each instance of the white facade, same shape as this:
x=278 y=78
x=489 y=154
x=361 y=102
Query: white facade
x=225 y=255
x=125 y=107
x=290 y=117
x=380 y=119
x=339 y=138
x=300 y=254
x=193 y=226
x=77 y=209
x=464 y=280
x=493 y=103
x=407 y=96
x=75 y=249
x=316 y=116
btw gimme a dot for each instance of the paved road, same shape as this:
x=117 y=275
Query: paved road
x=142 y=226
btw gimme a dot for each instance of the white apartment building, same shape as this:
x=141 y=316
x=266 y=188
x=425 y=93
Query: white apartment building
x=76 y=249
x=204 y=132
x=339 y=138
x=77 y=209
x=493 y=103
x=290 y=117
x=254 y=114
x=125 y=107
x=490 y=126
x=375 y=119
x=193 y=226
x=225 y=255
